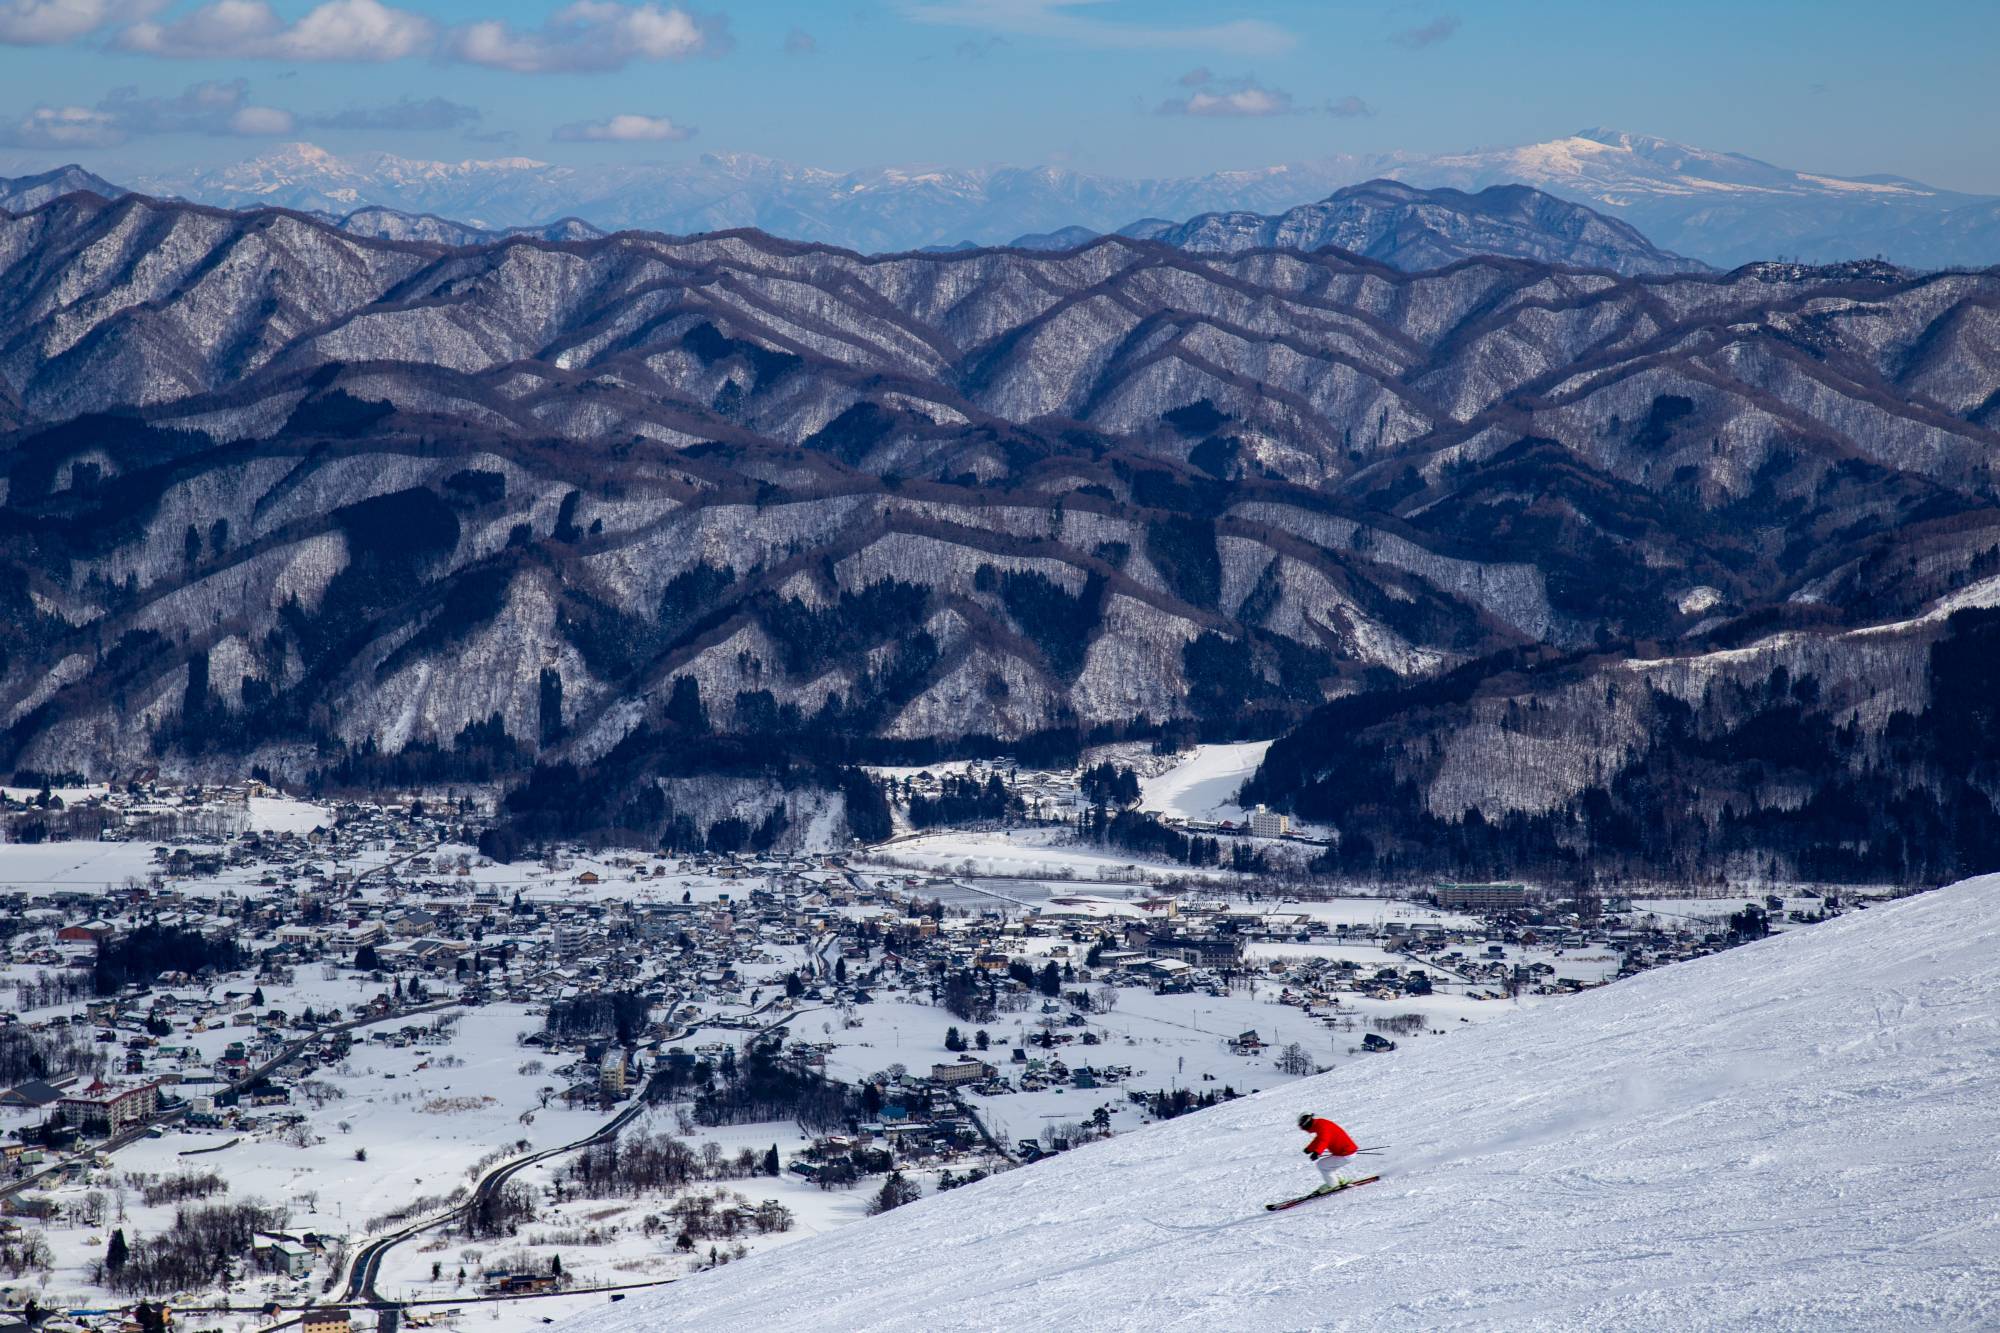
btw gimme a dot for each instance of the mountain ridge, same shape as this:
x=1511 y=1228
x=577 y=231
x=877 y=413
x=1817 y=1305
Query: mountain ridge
x=283 y=496
x=1415 y=229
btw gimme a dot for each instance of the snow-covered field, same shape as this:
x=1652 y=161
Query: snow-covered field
x=1797 y=1134
x=1036 y=853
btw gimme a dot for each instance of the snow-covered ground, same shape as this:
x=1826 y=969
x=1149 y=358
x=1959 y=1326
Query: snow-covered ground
x=281 y=814
x=1203 y=786
x=1045 y=853
x=1797 y=1134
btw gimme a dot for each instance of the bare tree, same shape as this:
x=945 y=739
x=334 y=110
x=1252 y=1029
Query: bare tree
x=1295 y=1060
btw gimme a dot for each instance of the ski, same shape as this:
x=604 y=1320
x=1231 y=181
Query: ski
x=1318 y=1194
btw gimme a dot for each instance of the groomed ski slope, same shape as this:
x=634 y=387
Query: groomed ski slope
x=1800 y=1134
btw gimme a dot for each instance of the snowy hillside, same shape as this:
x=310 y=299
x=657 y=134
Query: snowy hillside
x=1205 y=786
x=1792 y=1135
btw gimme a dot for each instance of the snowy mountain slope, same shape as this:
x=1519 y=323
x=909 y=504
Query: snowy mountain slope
x=1796 y=1134
x=19 y=194
x=389 y=225
x=1723 y=208
x=1205 y=786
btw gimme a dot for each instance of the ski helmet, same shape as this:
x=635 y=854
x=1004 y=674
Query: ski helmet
x=1306 y=1120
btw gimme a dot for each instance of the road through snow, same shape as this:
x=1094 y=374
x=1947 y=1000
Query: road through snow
x=1798 y=1134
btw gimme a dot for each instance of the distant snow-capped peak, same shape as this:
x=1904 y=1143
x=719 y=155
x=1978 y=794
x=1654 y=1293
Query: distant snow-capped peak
x=1669 y=190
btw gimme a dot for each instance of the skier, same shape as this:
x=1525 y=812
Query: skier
x=1330 y=1149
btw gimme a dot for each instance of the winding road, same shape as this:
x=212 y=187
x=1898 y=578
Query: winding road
x=367 y=1268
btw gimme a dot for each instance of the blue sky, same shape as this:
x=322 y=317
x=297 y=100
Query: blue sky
x=1126 y=87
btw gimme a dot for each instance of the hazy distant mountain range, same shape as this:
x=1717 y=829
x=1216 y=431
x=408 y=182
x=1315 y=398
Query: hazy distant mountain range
x=1395 y=224
x=1722 y=208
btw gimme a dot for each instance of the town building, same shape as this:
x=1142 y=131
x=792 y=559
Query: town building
x=961 y=1072
x=104 y=1109
x=1266 y=823
x=1480 y=897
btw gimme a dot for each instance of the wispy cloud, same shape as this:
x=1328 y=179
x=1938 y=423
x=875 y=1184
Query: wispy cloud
x=590 y=35
x=221 y=108
x=432 y=113
x=1078 y=23
x=46 y=22
x=627 y=128
x=357 y=30
x=978 y=48
x=799 y=42
x=1213 y=95
x=1439 y=29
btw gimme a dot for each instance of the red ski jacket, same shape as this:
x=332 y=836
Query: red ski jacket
x=1329 y=1137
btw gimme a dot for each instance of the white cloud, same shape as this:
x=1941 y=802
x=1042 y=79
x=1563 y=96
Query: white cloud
x=1071 y=21
x=590 y=35
x=583 y=35
x=1243 y=102
x=364 y=30
x=43 y=22
x=626 y=128
x=261 y=120
x=63 y=127
x=1212 y=95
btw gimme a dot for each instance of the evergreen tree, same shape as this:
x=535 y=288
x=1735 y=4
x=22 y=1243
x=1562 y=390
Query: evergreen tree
x=684 y=706
x=895 y=1192
x=116 y=1252
x=953 y=1041
x=771 y=1161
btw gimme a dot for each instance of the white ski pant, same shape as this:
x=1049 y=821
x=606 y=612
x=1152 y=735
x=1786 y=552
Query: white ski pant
x=1330 y=1166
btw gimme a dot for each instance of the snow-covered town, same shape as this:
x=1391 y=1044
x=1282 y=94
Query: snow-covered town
x=271 y=1060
